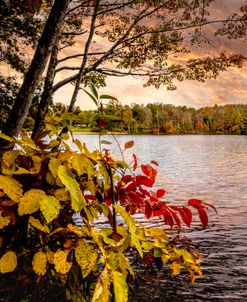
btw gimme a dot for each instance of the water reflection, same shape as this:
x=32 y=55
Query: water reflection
x=213 y=168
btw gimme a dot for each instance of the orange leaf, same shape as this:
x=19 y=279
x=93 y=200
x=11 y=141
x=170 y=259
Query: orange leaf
x=129 y=144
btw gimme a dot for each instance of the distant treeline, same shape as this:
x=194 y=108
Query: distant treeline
x=163 y=119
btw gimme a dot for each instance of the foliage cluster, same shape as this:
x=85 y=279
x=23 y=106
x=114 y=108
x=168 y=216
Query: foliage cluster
x=160 y=118
x=43 y=184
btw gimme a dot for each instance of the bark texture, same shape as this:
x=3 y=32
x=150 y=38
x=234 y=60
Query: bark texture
x=24 y=98
x=46 y=98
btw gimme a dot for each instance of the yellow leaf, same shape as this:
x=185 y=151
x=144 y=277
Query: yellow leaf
x=80 y=231
x=61 y=194
x=78 y=144
x=30 y=202
x=176 y=268
x=8 y=262
x=11 y=187
x=83 y=165
x=40 y=263
x=50 y=207
x=9 y=157
x=102 y=288
x=4 y=221
x=187 y=257
x=120 y=287
x=50 y=256
x=130 y=221
x=77 y=199
x=6 y=137
x=54 y=164
x=36 y=224
x=86 y=256
x=62 y=266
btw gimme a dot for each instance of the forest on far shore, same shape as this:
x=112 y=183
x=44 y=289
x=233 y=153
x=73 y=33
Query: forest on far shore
x=154 y=118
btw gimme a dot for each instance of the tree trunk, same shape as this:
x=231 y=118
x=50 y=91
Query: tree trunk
x=84 y=60
x=46 y=98
x=24 y=98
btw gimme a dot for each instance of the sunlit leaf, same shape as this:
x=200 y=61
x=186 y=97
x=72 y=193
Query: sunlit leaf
x=86 y=256
x=129 y=144
x=30 y=202
x=120 y=287
x=50 y=207
x=11 y=187
x=8 y=262
x=4 y=221
x=176 y=268
x=6 y=137
x=39 y=263
x=61 y=264
x=102 y=288
x=77 y=199
x=37 y=224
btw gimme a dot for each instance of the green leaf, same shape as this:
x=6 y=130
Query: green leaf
x=120 y=287
x=94 y=91
x=86 y=256
x=30 y=202
x=102 y=288
x=11 y=187
x=105 y=142
x=108 y=97
x=50 y=207
x=92 y=97
x=77 y=199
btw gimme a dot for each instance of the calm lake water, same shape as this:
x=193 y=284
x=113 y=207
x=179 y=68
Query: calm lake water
x=212 y=168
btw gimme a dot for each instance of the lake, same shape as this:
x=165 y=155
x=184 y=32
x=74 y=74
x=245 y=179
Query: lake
x=212 y=168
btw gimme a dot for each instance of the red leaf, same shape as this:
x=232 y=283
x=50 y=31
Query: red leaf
x=144 y=192
x=203 y=216
x=131 y=187
x=186 y=215
x=148 y=210
x=154 y=162
x=149 y=171
x=144 y=180
x=129 y=144
x=127 y=178
x=160 y=193
x=147 y=259
x=175 y=217
x=135 y=162
x=194 y=203
x=168 y=217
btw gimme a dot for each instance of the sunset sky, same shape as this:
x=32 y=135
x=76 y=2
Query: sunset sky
x=229 y=87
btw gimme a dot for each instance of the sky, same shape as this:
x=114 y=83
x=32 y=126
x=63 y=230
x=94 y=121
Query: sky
x=229 y=88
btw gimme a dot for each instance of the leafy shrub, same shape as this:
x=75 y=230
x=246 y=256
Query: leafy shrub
x=46 y=255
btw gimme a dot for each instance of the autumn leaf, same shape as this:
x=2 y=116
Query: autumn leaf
x=30 y=202
x=11 y=187
x=129 y=144
x=4 y=221
x=77 y=199
x=102 y=288
x=62 y=266
x=86 y=256
x=40 y=263
x=50 y=207
x=120 y=287
x=8 y=262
